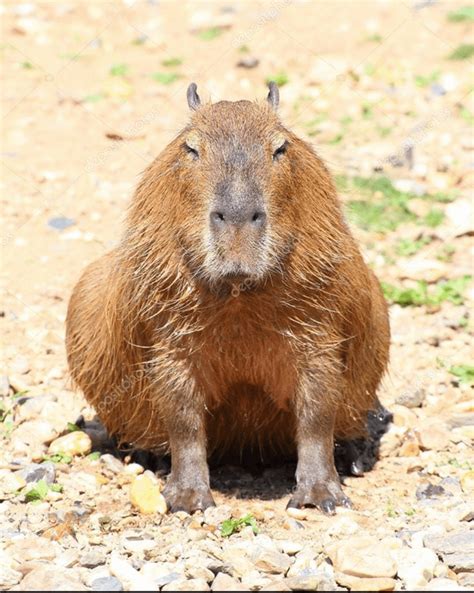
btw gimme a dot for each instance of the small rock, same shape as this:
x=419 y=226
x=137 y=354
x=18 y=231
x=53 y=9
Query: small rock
x=412 y=399
x=128 y=576
x=4 y=385
x=311 y=580
x=163 y=573
x=224 y=582
x=112 y=463
x=298 y=514
x=365 y=584
x=289 y=547
x=32 y=547
x=410 y=186
x=430 y=270
x=74 y=443
x=9 y=577
x=137 y=544
x=432 y=437
x=39 y=471
x=248 y=62
x=52 y=579
x=36 y=431
x=278 y=585
x=416 y=567
x=217 y=515
x=254 y=581
x=106 y=584
x=133 y=469
x=444 y=585
x=92 y=559
x=61 y=222
x=460 y=215
x=271 y=561
x=466 y=579
x=467 y=482
x=293 y=525
x=11 y=482
x=429 y=491
x=363 y=556
x=187 y=585
x=145 y=494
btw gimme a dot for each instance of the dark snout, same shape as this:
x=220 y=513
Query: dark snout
x=238 y=206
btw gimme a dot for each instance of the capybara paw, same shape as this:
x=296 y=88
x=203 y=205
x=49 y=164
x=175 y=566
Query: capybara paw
x=324 y=497
x=188 y=499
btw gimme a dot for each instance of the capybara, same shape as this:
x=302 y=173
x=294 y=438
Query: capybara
x=237 y=313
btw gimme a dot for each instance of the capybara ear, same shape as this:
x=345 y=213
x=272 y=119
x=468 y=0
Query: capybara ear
x=273 y=95
x=193 y=98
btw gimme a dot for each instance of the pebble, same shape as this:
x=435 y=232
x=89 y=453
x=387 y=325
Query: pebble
x=429 y=491
x=74 y=443
x=112 y=463
x=249 y=62
x=432 y=437
x=444 y=585
x=133 y=469
x=61 y=222
x=224 y=582
x=365 y=584
x=92 y=558
x=254 y=581
x=412 y=399
x=36 y=431
x=218 y=514
x=163 y=573
x=289 y=547
x=311 y=580
x=298 y=514
x=416 y=567
x=32 y=547
x=9 y=577
x=145 y=494
x=48 y=579
x=39 y=471
x=106 y=584
x=129 y=577
x=187 y=585
x=136 y=544
x=363 y=556
x=467 y=482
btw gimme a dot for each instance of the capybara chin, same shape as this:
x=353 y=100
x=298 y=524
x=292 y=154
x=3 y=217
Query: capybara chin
x=237 y=313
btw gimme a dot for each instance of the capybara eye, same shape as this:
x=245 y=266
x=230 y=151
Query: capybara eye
x=192 y=151
x=280 y=151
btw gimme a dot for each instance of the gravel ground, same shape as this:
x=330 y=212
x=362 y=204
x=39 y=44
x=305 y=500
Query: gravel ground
x=93 y=91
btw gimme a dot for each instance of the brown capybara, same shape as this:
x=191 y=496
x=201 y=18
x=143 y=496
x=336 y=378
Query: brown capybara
x=237 y=313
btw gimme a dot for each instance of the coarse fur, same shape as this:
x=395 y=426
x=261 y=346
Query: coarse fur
x=167 y=323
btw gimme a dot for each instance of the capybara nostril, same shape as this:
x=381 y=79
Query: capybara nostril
x=217 y=218
x=258 y=219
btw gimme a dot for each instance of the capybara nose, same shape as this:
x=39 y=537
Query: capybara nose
x=232 y=217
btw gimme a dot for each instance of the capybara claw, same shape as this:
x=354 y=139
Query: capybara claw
x=188 y=500
x=320 y=497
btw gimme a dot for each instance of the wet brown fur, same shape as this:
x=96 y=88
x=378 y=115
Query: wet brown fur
x=147 y=329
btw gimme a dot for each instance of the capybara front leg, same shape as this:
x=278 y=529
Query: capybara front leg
x=187 y=488
x=317 y=482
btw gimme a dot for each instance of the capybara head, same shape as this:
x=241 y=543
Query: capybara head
x=235 y=164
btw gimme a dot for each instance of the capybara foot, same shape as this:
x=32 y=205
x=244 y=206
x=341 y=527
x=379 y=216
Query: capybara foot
x=323 y=496
x=189 y=499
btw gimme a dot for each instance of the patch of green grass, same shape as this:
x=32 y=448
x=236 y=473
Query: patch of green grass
x=446 y=253
x=423 y=294
x=464 y=14
x=93 y=98
x=382 y=207
x=231 y=526
x=375 y=38
x=40 y=490
x=27 y=65
x=467 y=115
x=407 y=247
x=462 y=52
x=384 y=131
x=71 y=427
x=210 y=33
x=244 y=49
x=367 y=110
x=336 y=139
x=423 y=81
x=434 y=218
x=119 y=70
x=58 y=458
x=281 y=78
x=464 y=373
x=346 y=120
x=94 y=456
x=172 y=62
x=166 y=77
